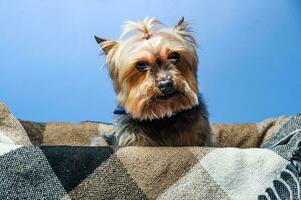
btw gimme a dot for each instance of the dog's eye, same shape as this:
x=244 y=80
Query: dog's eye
x=141 y=65
x=174 y=57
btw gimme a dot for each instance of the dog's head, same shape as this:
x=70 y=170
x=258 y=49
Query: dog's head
x=153 y=69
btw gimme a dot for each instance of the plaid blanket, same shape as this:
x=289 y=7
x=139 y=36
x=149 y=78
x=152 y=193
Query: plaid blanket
x=62 y=161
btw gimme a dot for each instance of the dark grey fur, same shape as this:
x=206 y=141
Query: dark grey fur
x=185 y=128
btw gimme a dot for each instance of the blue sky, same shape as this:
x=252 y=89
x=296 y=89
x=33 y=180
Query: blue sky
x=249 y=52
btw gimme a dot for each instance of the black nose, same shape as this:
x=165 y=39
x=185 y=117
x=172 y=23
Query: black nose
x=165 y=86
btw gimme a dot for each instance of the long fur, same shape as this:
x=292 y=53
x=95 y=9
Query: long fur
x=189 y=127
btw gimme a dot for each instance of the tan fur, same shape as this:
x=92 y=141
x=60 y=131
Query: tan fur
x=135 y=90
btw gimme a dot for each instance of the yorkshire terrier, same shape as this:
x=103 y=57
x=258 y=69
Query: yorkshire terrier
x=154 y=74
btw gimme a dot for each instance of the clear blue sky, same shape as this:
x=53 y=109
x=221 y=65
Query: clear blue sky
x=250 y=55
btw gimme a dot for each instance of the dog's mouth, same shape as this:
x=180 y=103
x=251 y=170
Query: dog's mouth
x=167 y=96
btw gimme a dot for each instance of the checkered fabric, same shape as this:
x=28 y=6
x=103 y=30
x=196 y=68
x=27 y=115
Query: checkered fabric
x=31 y=167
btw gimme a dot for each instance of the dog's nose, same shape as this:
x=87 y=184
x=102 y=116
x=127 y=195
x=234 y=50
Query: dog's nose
x=165 y=86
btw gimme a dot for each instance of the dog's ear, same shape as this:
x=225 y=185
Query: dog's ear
x=106 y=45
x=99 y=40
x=180 y=25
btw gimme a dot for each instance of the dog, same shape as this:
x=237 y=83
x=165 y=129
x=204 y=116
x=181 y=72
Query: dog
x=154 y=73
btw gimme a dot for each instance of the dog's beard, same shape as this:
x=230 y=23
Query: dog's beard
x=153 y=105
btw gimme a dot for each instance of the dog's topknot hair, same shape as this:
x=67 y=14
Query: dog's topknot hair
x=147 y=27
x=143 y=27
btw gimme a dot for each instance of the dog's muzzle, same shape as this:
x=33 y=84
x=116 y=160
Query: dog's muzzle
x=165 y=86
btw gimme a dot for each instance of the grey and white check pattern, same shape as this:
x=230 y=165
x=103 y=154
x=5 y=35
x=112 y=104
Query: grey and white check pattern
x=34 y=166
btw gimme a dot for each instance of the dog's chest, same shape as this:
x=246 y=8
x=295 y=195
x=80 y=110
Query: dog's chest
x=187 y=129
